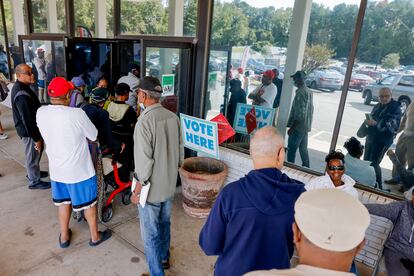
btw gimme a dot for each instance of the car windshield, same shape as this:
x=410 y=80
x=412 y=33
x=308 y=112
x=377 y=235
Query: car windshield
x=388 y=80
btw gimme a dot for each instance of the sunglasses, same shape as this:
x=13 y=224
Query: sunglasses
x=336 y=168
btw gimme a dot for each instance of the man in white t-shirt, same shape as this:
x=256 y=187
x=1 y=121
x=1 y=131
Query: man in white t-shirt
x=265 y=94
x=132 y=79
x=65 y=131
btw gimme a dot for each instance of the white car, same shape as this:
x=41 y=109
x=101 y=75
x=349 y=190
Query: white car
x=402 y=87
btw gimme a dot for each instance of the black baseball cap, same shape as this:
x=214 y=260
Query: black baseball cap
x=299 y=75
x=122 y=89
x=150 y=84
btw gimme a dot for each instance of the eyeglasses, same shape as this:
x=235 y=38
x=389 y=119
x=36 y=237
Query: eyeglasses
x=384 y=96
x=27 y=73
x=336 y=168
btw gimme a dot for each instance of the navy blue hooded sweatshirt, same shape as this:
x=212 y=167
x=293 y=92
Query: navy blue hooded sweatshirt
x=250 y=224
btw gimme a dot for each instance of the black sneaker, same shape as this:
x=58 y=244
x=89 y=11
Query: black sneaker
x=43 y=174
x=41 y=185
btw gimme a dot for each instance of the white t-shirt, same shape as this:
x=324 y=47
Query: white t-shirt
x=268 y=95
x=325 y=182
x=64 y=130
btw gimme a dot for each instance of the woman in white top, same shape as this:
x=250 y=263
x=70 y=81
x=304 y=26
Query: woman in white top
x=335 y=176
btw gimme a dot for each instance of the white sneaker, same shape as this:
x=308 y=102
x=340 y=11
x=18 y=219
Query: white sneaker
x=3 y=136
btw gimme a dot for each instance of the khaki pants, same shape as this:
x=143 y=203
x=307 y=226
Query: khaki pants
x=404 y=152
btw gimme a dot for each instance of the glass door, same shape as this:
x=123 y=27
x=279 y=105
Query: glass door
x=171 y=65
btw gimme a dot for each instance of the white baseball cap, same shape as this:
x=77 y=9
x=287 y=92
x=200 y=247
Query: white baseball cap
x=331 y=219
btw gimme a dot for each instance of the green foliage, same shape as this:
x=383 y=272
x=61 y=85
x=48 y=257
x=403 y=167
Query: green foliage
x=391 y=61
x=262 y=47
x=230 y=25
x=190 y=17
x=316 y=56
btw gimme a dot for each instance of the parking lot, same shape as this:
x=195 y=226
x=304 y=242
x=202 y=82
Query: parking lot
x=326 y=107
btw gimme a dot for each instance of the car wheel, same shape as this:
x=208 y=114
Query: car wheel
x=313 y=85
x=405 y=102
x=368 y=98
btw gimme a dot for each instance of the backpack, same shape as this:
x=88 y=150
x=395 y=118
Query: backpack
x=74 y=98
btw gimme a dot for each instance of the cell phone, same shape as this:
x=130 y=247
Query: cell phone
x=368 y=116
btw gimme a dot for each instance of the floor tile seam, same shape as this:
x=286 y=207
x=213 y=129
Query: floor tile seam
x=9 y=156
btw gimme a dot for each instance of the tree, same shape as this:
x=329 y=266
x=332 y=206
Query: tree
x=316 y=56
x=190 y=17
x=230 y=25
x=391 y=61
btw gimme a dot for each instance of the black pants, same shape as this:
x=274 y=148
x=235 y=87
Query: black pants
x=375 y=149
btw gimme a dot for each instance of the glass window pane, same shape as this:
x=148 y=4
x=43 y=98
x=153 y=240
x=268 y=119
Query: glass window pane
x=170 y=66
x=385 y=58
x=49 y=16
x=85 y=18
x=47 y=60
x=159 y=17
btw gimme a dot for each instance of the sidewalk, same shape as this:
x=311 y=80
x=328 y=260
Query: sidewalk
x=29 y=230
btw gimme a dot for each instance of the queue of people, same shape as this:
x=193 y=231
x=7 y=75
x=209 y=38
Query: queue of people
x=265 y=211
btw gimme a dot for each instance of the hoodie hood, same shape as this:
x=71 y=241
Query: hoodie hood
x=271 y=191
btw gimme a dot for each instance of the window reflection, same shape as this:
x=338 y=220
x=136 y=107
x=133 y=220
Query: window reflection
x=176 y=18
x=47 y=59
x=49 y=16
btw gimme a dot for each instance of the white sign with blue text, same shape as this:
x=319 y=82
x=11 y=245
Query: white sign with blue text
x=200 y=135
x=264 y=117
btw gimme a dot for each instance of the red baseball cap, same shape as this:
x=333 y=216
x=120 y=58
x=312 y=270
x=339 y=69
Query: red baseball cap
x=270 y=74
x=59 y=87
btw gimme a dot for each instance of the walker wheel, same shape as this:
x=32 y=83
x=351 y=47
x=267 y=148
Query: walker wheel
x=107 y=213
x=126 y=197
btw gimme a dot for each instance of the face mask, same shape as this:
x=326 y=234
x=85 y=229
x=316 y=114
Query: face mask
x=141 y=105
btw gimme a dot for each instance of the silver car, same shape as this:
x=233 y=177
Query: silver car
x=402 y=87
x=325 y=79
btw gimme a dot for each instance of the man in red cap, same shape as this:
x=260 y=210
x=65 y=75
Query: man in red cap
x=265 y=94
x=74 y=183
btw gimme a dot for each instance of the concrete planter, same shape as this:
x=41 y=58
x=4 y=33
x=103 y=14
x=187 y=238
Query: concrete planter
x=202 y=179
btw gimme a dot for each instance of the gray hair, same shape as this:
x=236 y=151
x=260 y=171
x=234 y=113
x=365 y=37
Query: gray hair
x=385 y=89
x=152 y=94
x=21 y=68
x=265 y=142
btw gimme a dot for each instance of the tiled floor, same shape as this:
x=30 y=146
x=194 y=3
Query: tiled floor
x=29 y=230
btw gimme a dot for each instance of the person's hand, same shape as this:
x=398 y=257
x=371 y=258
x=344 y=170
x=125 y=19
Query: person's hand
x=371 y=122
x=135 y=198
x=136 y=193
x=38 y=145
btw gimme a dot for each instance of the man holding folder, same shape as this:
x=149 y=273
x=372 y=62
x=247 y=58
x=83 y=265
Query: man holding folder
x=157 y=156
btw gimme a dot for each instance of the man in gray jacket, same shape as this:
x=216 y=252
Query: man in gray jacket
x=156 y=155
x=399 y=248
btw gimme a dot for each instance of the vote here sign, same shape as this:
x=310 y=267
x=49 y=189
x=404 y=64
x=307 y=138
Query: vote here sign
x=200 y=135
x=264 y=117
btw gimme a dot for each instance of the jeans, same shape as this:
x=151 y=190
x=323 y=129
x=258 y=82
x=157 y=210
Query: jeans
x=405 y=153
x=298 y=139
x=374 y=152
x=32 y=160
x=406 y=176
x=394 y=262
x=155 y=232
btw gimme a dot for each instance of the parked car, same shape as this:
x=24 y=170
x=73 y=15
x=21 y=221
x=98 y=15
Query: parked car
x=325 y=79
x=359 y=81
x=402 y=87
